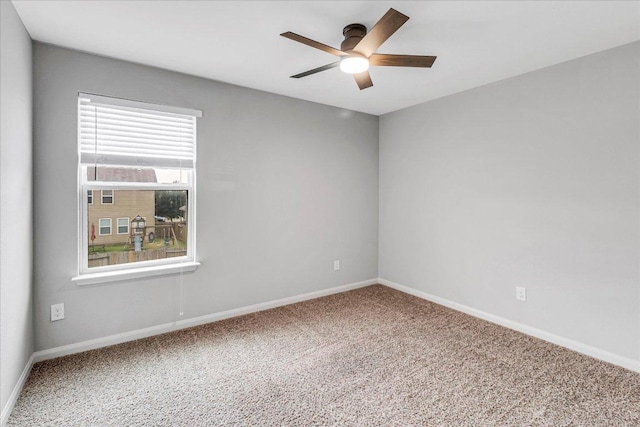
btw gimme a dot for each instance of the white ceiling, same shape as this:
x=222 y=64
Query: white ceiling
x=238 y=42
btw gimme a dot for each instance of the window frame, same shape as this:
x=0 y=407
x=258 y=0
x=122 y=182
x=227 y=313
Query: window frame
x=100 y=233
x=118 y=225
x=140 y=269
x=90 y=197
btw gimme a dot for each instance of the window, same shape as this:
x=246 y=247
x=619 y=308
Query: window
x=145 y=154
x=104 y=226
x=107 y=197
x=123 y=225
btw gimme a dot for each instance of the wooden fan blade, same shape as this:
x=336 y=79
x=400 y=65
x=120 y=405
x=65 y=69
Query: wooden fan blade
x=386 y=60
x=384 y=28
x=301 y=39
x=363 y=79
x=316 y=70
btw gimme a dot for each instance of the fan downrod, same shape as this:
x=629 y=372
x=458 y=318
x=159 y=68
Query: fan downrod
x=352 y=33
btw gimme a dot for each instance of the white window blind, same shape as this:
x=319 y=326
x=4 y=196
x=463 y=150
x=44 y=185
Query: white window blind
x=114 y=131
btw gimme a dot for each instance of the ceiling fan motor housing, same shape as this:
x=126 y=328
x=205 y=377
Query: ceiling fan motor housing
x=352 y=33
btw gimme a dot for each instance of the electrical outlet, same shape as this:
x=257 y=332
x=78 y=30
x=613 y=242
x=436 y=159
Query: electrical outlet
x=336 y=265
x=521 y=293
x=57 y=312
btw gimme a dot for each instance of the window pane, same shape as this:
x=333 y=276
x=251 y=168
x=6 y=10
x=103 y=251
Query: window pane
x=105 y=226
x=123 y=225
x=151 y=225
x=90 y=197
x=107 y=197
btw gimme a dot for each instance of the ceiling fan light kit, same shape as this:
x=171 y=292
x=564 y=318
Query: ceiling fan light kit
x=357 y=51
x=353 y=64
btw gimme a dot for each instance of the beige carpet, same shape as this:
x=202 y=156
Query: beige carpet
x=369 y=357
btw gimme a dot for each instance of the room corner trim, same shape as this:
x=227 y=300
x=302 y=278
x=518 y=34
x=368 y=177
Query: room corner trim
x=93 y=344
x=596 y=353
x=13 y=397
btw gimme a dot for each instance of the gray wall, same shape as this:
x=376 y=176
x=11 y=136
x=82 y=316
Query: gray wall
x=284 y=188
x=532 y=181
x=16 y=212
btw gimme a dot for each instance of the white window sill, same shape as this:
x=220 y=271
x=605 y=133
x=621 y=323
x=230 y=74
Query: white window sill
x=135 y=273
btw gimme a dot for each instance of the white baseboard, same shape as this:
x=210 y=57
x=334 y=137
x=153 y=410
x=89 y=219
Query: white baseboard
x=596 y=353
x=13 y=398
x=187 y=323
x=93 y=344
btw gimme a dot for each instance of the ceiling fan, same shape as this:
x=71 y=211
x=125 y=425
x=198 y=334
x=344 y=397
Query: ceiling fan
x=357 y=50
